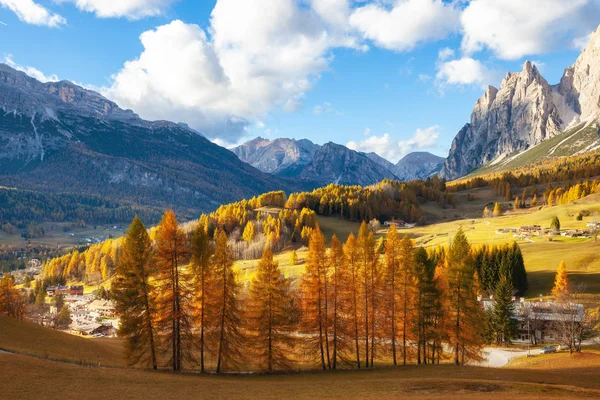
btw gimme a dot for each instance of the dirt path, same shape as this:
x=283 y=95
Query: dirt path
x=498 y=358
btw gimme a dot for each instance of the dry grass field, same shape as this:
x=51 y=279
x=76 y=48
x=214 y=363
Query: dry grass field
x=29 y=378
x=26 y=338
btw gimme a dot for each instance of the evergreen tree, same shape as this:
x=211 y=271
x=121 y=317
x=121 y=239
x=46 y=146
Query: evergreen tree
x=135 y=297
x=270 y=313
x=175 y=299
x=293 y=258
x=497 y=210
x=555 y=224
x=503 y=322
x=424 y=302
x=63 y=320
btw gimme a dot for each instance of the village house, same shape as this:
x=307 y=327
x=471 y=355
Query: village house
x=538 y=321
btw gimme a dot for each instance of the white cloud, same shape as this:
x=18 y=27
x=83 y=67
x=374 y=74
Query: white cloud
x=515 y=28
x=445 y=53
x=424 y=78
x=326 y=108
x=406 y=23
x=32 y=13
x=579 y=43
x=461 y=72
x=367 y=132
x=132 y=9
x=247 y=62
x=393 y=150
x=31 y=71
x=3 y=23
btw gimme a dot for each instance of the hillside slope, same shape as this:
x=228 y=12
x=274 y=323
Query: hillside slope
x=61 y=138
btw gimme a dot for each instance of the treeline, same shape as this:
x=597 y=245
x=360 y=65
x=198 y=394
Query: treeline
x=384 y=201
x=574 y=168
x=21 y=207
x=181 y=303
x=494 y=263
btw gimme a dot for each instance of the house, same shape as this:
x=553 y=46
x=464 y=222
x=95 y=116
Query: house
x=51 y=291
x=64 y=290
x=76 y=290
x=104 y=308
x=538 y=321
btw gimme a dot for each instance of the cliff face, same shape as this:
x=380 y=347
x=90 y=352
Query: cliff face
x=524 y=111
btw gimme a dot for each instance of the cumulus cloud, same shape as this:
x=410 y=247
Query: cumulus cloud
x=33 y=13
x=31 y=71
x=461 y=72
x=394 y=150
x=245 y=64
x=132 y=9
x=515 y=28
x=406 y=23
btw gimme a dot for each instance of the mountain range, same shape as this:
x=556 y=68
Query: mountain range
x=332 y=163
x=58 y=137
x=508 y=122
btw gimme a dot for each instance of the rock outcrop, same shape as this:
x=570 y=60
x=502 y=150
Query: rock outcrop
x=524 y=111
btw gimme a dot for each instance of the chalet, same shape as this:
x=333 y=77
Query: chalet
x=538 y=321
x=104 y=308
x=51 y=291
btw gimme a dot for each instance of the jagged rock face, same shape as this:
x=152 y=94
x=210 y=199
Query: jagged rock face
x=334 y=163
x=280 y=156
x=525 y=111
x=59 y=137
x=418 y=165
x=580 y=84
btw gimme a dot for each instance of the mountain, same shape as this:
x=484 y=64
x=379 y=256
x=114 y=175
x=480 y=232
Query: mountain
x=334 y=163
x=282 y=157
x=313 y=164
x=58 y=137
x=526 y=111
x=418 y=165
x=380 y=160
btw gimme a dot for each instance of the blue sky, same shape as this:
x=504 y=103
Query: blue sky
x=390 y=76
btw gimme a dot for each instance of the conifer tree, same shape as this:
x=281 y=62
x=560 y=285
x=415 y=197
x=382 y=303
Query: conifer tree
x=424 y=301
x=228 y=336
x=135 y=296
x=293 y=257
x=406 y=286
x=393 y=295
x=270 y=313
x=465 y=312
x=351 y=292
x=336 y=263
x=11 y=303
x=175 y=299
x=497 y=210
x=534 y=200
x=205 y=286
x=369 y=266
x=503 y=322
x=555 y=224
x=248 y=234
x=314 y=299
x=561 y=282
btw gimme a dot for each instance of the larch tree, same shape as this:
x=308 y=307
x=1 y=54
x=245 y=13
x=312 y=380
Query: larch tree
x=11 y=303
x=249 y=230
x=314 y=295
x=392 y=263
x=561 y=282
x=336 y=268
x=175 y=301
x=497 y=210
x=270 y=315
x=228 y=336
x=465 y=312
x=369 y=267
x=204 y=281
x=406 y=286
x=351 y=293
x=135 y=296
